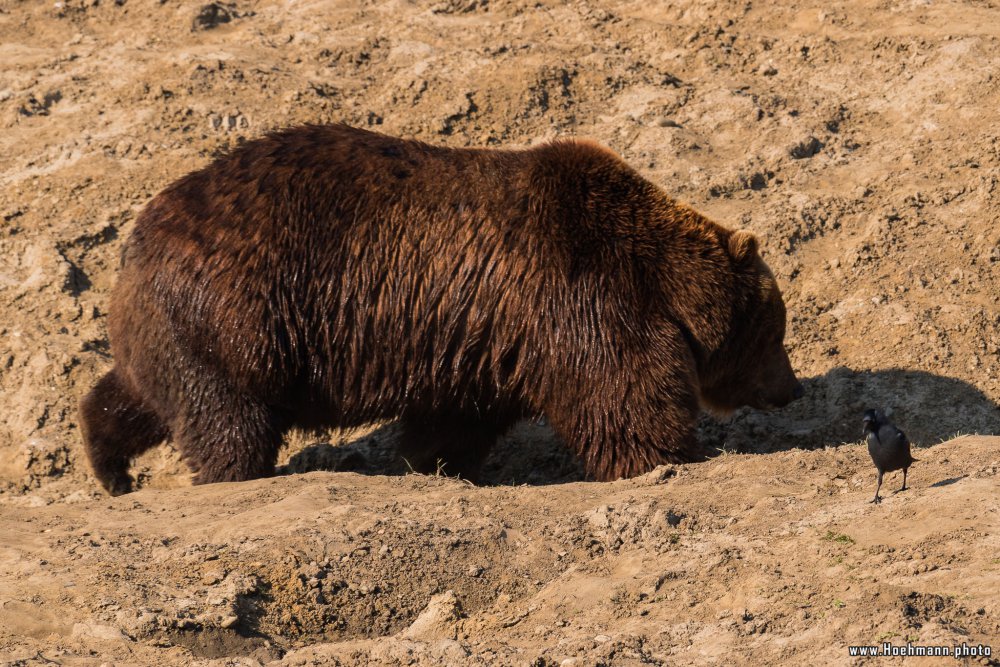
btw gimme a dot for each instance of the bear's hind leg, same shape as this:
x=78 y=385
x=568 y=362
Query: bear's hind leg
x=116 y=428
x=225 y=436
x=457 y=446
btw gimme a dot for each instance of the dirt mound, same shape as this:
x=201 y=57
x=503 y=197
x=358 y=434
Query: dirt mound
x=775 y=558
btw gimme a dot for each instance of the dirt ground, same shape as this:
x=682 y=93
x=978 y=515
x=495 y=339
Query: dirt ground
x=860 y=140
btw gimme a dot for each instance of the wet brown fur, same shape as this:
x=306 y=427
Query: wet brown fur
x=329 y=276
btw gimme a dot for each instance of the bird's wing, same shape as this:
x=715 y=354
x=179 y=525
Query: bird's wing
x=905 y=442
x=887 y=435
x=874 y=446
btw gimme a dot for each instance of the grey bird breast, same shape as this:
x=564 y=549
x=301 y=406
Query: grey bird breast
x=889 y=448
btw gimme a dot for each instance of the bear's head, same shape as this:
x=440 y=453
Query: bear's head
x=751 y=366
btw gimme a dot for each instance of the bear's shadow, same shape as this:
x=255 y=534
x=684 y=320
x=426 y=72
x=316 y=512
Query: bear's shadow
x=929 y=408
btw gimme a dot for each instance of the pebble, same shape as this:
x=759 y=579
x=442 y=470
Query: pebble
x=211 y=578
x=105 y=632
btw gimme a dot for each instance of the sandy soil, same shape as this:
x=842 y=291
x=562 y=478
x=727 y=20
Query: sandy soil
x=859 y=140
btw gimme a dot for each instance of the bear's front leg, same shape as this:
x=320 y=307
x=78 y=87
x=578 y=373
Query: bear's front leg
x=630 y=410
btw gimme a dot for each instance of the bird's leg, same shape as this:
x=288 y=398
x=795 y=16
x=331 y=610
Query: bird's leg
x=903 y=488
x=877 y=500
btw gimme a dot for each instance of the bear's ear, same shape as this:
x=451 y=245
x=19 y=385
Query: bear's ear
x=742 y=246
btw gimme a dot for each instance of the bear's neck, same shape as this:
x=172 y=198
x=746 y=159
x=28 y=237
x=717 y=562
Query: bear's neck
x=698 y=280
x=602 y=215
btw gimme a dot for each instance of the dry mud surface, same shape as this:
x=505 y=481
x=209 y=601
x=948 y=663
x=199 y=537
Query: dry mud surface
x=860 y=140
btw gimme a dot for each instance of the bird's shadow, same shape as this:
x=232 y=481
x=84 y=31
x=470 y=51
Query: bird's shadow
x=929 y=408
x=949 y=481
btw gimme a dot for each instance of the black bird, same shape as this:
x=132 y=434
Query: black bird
x=888 y=446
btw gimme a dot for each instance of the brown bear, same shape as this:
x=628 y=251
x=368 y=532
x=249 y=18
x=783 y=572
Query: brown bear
x=330 y=276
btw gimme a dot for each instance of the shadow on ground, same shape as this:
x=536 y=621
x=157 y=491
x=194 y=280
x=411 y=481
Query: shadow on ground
x=929 y=408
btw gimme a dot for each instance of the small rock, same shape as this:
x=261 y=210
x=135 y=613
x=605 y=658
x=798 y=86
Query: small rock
x=598 y=518
x=602 y=639
x=212 y=577
x=438 y=620
x=806 y=148
x=105 y=632
x=659 y=475
x=211 y=16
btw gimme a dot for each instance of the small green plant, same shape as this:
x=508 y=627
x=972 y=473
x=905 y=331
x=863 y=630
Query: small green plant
x=838 y=537
x=673 y=538
x=839 y=603
x=886 y=636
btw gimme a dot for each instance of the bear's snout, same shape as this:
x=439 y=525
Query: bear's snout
x=796 y=392
x=780 y=386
